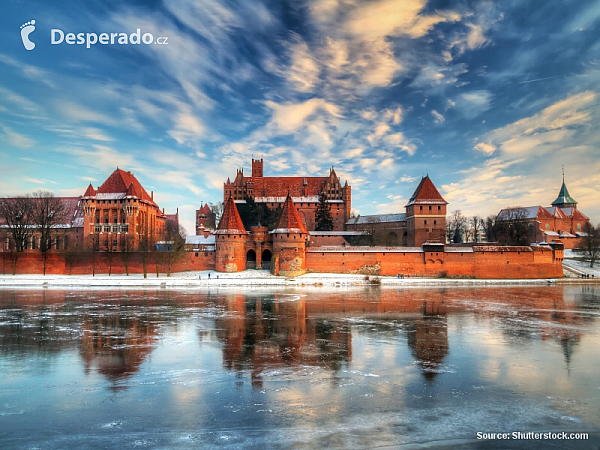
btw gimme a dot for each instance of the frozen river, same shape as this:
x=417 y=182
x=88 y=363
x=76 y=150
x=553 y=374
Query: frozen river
x=364 y=367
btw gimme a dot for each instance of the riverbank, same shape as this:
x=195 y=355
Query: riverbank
x=252 y=278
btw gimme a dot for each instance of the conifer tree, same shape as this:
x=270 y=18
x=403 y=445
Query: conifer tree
x=323 y=219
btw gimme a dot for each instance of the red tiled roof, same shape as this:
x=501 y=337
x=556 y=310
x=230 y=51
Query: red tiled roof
x=289 y=219
x=89 y=192
x=205 y=209
x=231 y=222
x=280 y=186
x=121 y=182
x=426 y=192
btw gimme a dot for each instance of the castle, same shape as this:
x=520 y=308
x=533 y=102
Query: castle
x=560 y=222
x=304 y=191
x=120 y=214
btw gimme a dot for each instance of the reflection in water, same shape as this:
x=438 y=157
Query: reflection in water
x=117 y=330
x=362 y=368
x=261 y=334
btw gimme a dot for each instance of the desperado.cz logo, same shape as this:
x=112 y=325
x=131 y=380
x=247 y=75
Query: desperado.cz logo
x=58 y=36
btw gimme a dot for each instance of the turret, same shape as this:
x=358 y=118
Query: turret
x=289 y=241
x=230 y=240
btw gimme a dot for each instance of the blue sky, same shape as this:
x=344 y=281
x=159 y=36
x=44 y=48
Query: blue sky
x=490 y=99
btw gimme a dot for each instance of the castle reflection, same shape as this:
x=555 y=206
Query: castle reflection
x=116 y=331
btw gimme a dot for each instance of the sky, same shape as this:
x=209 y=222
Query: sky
x=491 y=99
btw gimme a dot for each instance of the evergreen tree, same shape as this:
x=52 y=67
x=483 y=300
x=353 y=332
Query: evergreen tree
x=324 y=219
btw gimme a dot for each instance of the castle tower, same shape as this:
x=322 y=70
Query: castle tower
x=426 y=215
x=257 y=168
x=347 y=198
x=230 y=240
x=289 y=241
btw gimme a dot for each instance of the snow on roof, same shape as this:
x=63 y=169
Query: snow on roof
x=200 y=240
x=377 y=218
x=566 y=234
x=364 y=249
x=528 y=212
x=110 y=196
x=459 y=250
x=338 y=233
x=550 y=233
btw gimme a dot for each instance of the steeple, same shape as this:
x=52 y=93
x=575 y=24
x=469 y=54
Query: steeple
x=564 y=200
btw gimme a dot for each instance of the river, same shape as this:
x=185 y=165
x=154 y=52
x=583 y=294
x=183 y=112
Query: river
x=360 y=367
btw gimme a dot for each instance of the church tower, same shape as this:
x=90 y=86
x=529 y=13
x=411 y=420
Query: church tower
x=426 y=215
x=564 y=200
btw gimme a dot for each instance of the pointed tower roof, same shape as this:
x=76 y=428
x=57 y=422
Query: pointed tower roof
x=90 y=192
x=426 y=193
x=231 y=222
x=289 y=221
x=119 y=182
x=564 y=199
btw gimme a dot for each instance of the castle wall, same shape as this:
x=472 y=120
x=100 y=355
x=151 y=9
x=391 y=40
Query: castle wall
x=495 y=263
x=500 y=264
x=86 y=263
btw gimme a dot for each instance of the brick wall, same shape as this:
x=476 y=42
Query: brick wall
x=32 y=263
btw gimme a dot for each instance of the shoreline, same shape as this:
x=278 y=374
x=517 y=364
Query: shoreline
x=256 y=278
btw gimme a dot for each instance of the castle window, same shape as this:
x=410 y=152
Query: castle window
x=578 y=227
x=439 y=208
x=420 y=208
x=547 y=226
x=435 y=222
x=429 y=207
x=426 y=222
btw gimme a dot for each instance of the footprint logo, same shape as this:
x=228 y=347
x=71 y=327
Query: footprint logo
x=26 y=30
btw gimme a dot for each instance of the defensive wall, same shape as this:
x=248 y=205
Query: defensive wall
x=432 y=261
x=86 y=264
x=478 y=262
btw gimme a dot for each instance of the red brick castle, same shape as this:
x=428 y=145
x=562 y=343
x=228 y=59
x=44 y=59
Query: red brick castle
x=304 y=191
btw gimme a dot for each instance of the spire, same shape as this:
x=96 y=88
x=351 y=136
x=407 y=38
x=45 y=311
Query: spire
x=289 y=221
x=564 y=200
x=231 y=222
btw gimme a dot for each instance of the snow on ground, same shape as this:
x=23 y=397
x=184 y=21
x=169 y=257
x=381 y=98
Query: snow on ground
x=254 y=278
x=575 y=265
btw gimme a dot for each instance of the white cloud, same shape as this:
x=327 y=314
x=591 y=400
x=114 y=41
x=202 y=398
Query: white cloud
x=437 y=117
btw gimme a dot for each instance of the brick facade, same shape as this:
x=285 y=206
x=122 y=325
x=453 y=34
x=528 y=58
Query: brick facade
x=305 y=191
x=120 y=213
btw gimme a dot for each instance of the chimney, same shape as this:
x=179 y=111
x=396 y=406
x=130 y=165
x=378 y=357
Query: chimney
x=152 y=195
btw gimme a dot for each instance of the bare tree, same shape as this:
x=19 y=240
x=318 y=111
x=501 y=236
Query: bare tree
x=217 y=210
x=110 y=251
x=146 y=246
x=127 y=249
x=48 y=212
x=590 y=243
x=175 y=239
x=17 y=215
x=489 y=226
x=457 y=223
x=512 y=226
x=476 y=226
